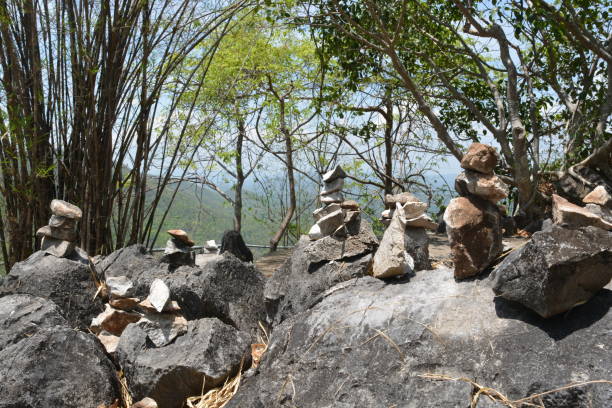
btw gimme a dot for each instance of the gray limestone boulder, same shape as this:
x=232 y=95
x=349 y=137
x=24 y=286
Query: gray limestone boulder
x=202 y=358
x=23 y=315
x=57 y=367
x=371 y=343
x=314 y=267
x=557 y=270
x=68 y=283
x=224 y=287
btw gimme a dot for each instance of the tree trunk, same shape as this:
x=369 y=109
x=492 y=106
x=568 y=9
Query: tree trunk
x=239 y=177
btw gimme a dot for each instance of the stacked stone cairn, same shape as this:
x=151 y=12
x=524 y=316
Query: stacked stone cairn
x=157 y=315
x=404 y=247
x=337 y=217
x=473 y=220
x=566 y=263
x=59 y=237
x=178 y=249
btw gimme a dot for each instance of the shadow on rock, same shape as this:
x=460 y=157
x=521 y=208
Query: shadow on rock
x=560 y=326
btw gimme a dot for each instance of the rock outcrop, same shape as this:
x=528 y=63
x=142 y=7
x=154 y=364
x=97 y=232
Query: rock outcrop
x=200 y=359
x=68 y=283
x=368 y=343
x=314 y=267
x=557 y=270
x=46 y=363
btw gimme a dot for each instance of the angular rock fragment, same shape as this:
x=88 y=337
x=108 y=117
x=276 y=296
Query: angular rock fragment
x=330 y=223
x=332 y=186
x=474 y=232
x=556 y=270
x=416 y=244
x=599 y=196
x=351 y=205
x=109 y=341
x=481 y=158
x=124 y=303
x=145 y=403
x=391 y=258
x=159 y=295
x=162 y=328
x=323 y=211
x=574 y=216
x=402 y=198
x=65 y=209
x=336 y=197
x=202 y=358
x=336 y=173
x=58 y=221
x=119 y=286
x=57 y=233
x=422 y=221
x=487 y=186
x=57 y=247
x=113 y=321
x=604 y=212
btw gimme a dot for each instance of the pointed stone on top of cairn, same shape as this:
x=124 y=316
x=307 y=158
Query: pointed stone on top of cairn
x=58 y=238
x=337 y=217
x=473 y=220
x=404 y=247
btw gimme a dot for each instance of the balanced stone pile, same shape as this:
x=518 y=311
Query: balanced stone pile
x=404 y=247
x=178 y=249
x=473 y=220
x=157 y=315
x=58 y=238
x=337 y=217
x=566 y=263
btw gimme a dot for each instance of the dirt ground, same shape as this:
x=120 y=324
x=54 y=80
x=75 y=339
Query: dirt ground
x=439 y=252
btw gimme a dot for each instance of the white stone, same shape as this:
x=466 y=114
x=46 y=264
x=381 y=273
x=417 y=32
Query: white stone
x=119 y=286
x=410 y=209
x=315 y=233
x=159 y=295
x=388 y=214
x=163 y=328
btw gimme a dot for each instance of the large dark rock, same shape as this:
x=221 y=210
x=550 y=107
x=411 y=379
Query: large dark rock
x=369 y=343
x=23 y=315
x=200 y=359
x=316 y=266
x=474 y=232
x=68 y=283
x=57 y=367
x=224 y=287
x=557 y=270
x=232 y=242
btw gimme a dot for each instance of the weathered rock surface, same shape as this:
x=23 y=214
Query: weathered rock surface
x=57 y=221
x=557 y=270
x=474 y=232
x=223 y=287
x=57 y=367
x=159 y=295
x=481 y=158
x=416 y=244
x=487 y=186
x=332 y=186
x=203 y=357
x=422 y=221
x=177 y=253
x=332 y=198
x=604 y=212
x=113 y=321
x=391 y=258
x=369 y=344
x=329 y=223
x=391 y=200
x=162 y=328
x=233 y=243
x=323 y=211
x=314 y=267
x=57 y=247
x=66 y=209
x=335 y=173
x=66 y=234
x=23 y=315
x=574 y=216
x=119 y=286
x=599 y=196
x=67 y=283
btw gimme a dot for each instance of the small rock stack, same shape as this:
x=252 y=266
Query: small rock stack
x=157 y=315
x=473 y=221
x=404 y=247
x=566 y=263
x=58 y=238
x=337 y=217
x=178 y=249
